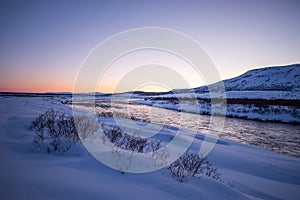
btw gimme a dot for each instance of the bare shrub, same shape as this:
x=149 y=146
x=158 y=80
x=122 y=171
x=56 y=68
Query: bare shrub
x=232 y=184
x=178 y=170
x=128 y=142
x=190 y=164
x=105 y=113
x=111 y=113
x=86 y=125
x=114 y=135
x=211 y=171
x=56 y=132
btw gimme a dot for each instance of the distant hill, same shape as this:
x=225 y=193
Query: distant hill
x=279 y=78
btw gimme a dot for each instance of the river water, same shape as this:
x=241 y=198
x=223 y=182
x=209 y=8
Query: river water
x=276 y=137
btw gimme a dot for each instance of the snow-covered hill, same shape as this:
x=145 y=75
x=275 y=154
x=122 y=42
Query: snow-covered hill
x=279 y=78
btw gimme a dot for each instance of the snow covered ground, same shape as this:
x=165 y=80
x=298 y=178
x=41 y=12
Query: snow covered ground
x=24 y=174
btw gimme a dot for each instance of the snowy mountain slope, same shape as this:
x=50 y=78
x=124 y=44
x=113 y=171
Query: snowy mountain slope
x=284 y=78
x=280 y=78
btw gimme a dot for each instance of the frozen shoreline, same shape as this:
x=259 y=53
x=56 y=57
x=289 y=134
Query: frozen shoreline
x=267 y=113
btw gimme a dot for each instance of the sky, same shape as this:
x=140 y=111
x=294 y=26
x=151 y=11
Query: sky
x=43 y=44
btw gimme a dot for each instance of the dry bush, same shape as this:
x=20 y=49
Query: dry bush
x=56 y=132
x=128 y=142
x=191 y=164
x=86 y=125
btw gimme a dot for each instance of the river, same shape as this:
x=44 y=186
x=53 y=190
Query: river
x=276 y=137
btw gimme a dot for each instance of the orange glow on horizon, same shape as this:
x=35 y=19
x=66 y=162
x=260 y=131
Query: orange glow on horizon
x=35 y=90
x=35 y=86
x=41 y=88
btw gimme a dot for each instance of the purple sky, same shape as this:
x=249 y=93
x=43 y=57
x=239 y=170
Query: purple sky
x=43 y=43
